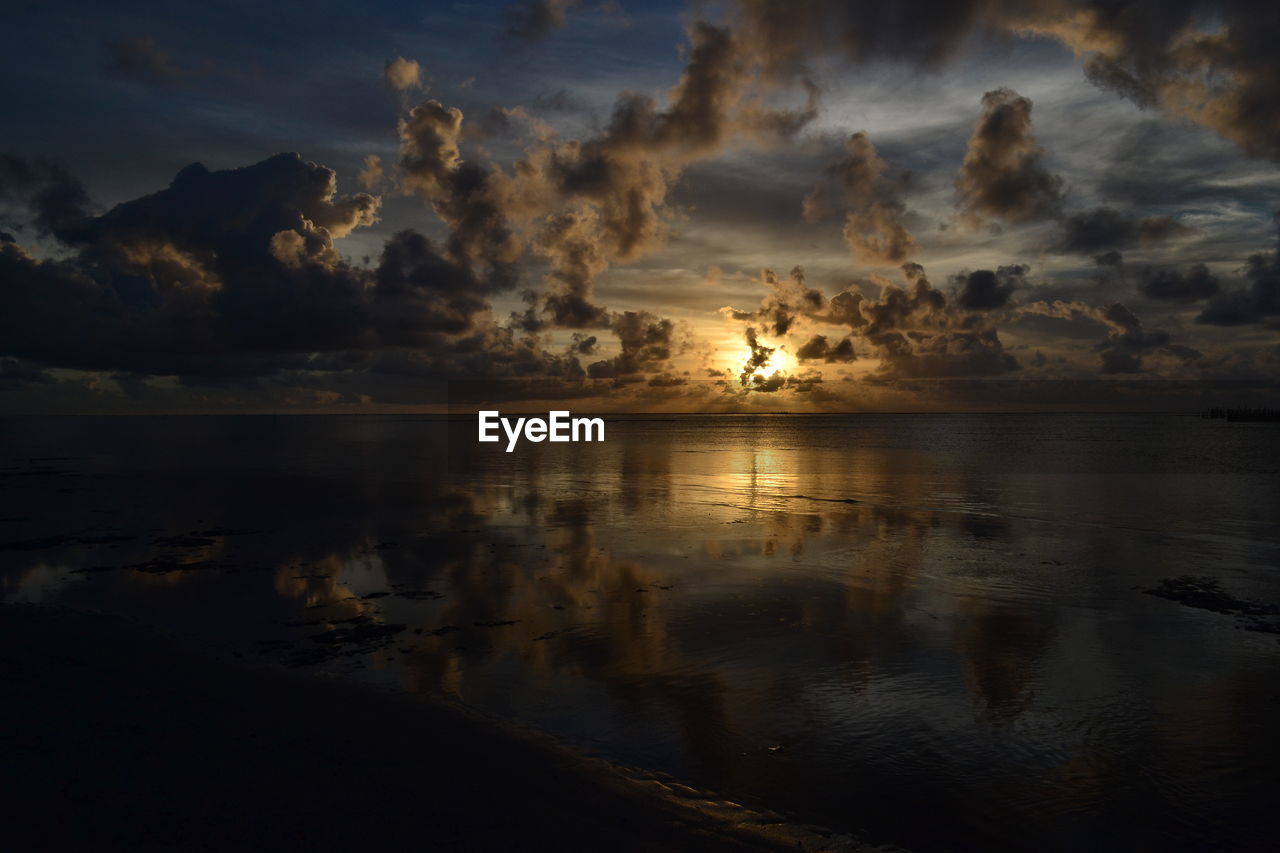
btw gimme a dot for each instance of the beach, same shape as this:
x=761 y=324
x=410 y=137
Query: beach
x=117 y=738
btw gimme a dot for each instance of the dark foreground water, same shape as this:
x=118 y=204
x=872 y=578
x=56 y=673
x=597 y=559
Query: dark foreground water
x=932 y=631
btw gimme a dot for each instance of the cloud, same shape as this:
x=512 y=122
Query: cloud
x=569 y=241
x=917 y=333
x=919 y=305
x=873 y=224
x=1213 y=63
x=1003 y=176
x=585 y=204
x=1216 y=66
x=598 y=200
x=419 y=292
x=1072 y=320
x=371 y=176
x=845 y=309
x=1173 y=286
x=1103 y=231
x=1252 y=304
x=959 y=353
x=1127 y=342
x=914 y=330
x=403 y=74
x=466 y=195
x=927 y=32
x=139 y=58
x=984 y=290
x=531 y=20
x=626 y=171
x=818 y=348
x=47 y=194
x=234 y=274
x=788 y=300
x=645 y=342
x=589 y=202
x=16 y=373
x=758 y=358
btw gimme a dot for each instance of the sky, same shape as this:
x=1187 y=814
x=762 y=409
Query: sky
x=613 y=206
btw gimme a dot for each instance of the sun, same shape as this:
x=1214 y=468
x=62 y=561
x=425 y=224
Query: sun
x=780 y=361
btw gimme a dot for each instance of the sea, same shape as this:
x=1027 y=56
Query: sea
x=929 y=631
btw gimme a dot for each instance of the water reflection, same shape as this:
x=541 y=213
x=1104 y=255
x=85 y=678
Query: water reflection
x=927 y=630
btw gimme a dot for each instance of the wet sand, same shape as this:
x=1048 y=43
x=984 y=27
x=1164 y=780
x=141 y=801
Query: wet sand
x=115 y=737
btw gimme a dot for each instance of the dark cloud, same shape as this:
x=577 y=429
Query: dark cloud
x=984 y=290
x=235 y=274
x=419 y=292
x=531 y=20
x=588 y=202
x=789 y=299
x=818 y=348
x=569 y=242
x=139 y=59
x=758 y=358
x=788 y=35
x=1003 y=176
x=666 y=380
x=944 y=354
x=627 y=170
x=1192 y=285
x=221 y=263
x=466 y=195
x=1104 y=231
x=918 y=334
x=16 y=373
x=1259 y=301
x=1120 y=360
x=645 y=342
x=1127 y=342
x=873 y=223
x=1074 y=320
x=1214 y=63
x=919 y=305
x=602 y=199
x=913 y=330
x=559 y=101
x=1152 y=164
x=805 y=383
x=845 y=309
x=43 y=192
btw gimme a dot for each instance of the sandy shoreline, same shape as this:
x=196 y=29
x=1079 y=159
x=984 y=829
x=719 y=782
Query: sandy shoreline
x=114 y=737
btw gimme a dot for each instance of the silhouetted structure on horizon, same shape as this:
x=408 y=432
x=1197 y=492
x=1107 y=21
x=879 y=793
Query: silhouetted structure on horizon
x=1242 y=414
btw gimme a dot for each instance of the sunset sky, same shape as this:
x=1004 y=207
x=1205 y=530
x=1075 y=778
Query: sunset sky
x=697 y=207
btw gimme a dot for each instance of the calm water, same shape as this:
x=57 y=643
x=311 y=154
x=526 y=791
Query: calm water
x=930 y=631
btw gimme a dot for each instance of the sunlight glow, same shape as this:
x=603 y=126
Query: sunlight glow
x=779 y=361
